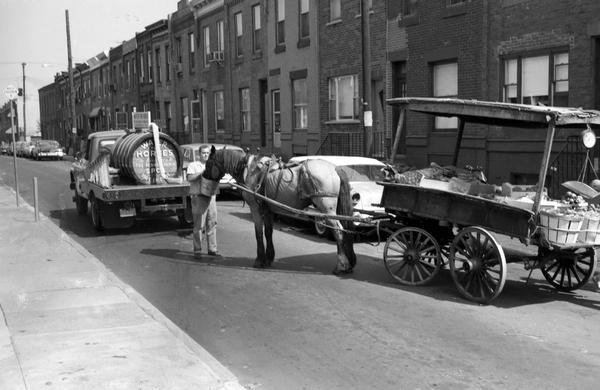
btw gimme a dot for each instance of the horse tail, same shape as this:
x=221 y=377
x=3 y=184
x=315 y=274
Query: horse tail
x=344 y=204
x=345 y=207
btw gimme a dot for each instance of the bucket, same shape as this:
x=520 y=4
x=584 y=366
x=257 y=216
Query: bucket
x=561 y=229
x=590 y=231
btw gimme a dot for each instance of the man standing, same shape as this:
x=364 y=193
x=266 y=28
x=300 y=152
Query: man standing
x=204 y=208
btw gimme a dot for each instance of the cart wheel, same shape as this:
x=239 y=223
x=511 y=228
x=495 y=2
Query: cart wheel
x=412 y=256
x=570 y=269
x=477 y=264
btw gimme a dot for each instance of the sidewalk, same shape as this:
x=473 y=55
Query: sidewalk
x=67 y=322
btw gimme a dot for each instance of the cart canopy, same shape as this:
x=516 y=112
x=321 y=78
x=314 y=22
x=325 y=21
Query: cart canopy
x=500 y=114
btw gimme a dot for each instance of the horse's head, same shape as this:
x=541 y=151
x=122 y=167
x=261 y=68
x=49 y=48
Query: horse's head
x=214 y=168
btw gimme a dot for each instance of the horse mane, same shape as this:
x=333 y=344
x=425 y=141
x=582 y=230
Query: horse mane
x=233 y=161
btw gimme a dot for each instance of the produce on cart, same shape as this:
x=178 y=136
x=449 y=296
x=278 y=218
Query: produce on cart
x=452 y=213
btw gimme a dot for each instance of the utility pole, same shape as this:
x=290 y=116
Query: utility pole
x=24 y=98
x=71 y=136
x=366 y=58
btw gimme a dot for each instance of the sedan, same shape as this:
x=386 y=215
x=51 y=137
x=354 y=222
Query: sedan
x=363 y=174
x=47 y=149
x=191 y=152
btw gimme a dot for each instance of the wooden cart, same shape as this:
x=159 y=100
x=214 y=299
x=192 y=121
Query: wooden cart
x=431 y=225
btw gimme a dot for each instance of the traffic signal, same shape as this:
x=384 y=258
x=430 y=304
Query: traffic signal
x=20 y=92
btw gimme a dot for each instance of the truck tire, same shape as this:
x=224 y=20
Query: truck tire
x=184 y=222
x=96 y=206
x=81 y=203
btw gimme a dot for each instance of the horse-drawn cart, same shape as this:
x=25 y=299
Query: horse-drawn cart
x=432 y=224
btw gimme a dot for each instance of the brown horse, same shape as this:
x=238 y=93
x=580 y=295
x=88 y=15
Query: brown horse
x=316 y=182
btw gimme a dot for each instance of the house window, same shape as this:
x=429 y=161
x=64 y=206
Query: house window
x=157 y=57
x=542 y=79
x=192 y=51
x=178 y=50
x=238 y=34
x=168 y=116
x=408 y=8
x=450 y=3
x=256 y=28
x=245 y=108
x=335 y=10
x=280 y=26
x=300 y=103
x=445 y=85
x=220 y=36
x=128 y=74
x=149 y=54
x=304 y=29
x=206 y=35
x=275 y=99
x=142 y=67
x=219 y=111
x=168 y=63
x=185 y=114
x=343 y=98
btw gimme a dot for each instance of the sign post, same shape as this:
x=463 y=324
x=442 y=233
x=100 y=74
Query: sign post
x=11 y=93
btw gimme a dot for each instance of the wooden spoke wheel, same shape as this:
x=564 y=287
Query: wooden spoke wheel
x=477 y=264
x=412 y=256
x=570 y=269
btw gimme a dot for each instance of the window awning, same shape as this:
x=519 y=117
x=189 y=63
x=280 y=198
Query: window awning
x=95 y=112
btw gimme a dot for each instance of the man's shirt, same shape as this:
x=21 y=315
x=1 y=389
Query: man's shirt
x=195 y=168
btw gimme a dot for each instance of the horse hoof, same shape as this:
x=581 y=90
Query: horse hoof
x=340 y=272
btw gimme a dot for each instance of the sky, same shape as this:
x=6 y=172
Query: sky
x=34 y=32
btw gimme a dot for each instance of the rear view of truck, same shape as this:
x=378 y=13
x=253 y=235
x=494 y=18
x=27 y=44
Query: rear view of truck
x=126 y=175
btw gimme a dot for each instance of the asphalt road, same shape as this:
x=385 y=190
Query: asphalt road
x=296 y=326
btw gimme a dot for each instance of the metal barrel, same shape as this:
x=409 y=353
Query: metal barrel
x=134 y=155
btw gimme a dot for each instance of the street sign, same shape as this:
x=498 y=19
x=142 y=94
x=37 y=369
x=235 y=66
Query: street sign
x=141 y=120
x=11 y=92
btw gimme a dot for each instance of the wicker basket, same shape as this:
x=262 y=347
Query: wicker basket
x=590 y=231
x=560 y=229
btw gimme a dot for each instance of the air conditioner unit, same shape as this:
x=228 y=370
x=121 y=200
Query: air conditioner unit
x=217 y=56
x=179 y=67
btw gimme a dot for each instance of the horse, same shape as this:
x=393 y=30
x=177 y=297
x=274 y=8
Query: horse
x=313 y=181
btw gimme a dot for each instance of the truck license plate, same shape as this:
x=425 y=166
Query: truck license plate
x=127 y=212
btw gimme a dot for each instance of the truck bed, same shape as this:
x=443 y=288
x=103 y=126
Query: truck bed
x=136 y=192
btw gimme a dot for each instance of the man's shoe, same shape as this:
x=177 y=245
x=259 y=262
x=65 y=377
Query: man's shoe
x=198 y=256
x=214 y=254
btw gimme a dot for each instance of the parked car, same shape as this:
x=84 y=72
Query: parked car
x=5 y=148
x=191 y=152
x=47 y=149
x=363 y=173
x=23 y=148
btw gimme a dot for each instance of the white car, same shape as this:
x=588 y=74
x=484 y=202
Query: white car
x=363 y=173
x=191 y=152
x=47 y=149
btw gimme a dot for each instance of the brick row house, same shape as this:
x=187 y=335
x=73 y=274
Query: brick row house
x=290 y=76
x=6 y=123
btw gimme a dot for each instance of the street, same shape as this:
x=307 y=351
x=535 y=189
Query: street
x=297 y=326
